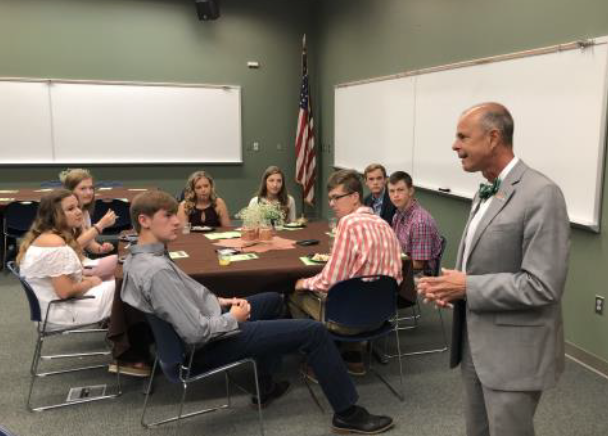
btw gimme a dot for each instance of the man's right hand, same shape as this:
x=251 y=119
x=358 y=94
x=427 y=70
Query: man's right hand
x=240 y=312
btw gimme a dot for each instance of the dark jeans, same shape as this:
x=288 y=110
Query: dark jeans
x=266 y=338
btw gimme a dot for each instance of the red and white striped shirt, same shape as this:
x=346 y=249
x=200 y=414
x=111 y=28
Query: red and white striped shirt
x=364 y=245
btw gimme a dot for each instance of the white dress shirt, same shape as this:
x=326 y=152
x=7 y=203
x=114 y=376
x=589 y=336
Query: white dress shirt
x=482 y=206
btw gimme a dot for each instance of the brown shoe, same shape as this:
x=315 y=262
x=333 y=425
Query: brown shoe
x=356 y=368
x=354 y=363
x=139 y=370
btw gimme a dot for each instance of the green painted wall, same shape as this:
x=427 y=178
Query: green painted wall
x=367 y=38
x=163 y=41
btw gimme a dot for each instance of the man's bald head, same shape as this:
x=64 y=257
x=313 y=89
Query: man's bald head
x=493 y=116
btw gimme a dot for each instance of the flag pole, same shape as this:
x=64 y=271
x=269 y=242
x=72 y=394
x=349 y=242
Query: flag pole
x=305 y=136
x=302 y=60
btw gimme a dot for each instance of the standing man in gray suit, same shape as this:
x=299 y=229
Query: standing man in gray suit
x=507 y=287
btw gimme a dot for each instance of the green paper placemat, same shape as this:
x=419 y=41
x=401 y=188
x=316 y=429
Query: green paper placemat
x=178 y=254
x=223 y=235
x=243 y=257
x=308 y=262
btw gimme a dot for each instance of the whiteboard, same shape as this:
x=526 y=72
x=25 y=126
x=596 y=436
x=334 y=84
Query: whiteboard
x=25 y=123
x=372 y=125
x=108 y=123
x=558 y=102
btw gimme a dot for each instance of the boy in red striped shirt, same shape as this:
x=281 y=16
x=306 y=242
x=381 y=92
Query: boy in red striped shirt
x=364 y=244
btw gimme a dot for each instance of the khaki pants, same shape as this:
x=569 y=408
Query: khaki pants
x=311 y=304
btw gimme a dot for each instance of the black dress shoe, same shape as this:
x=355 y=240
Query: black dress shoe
x=361 y=422
x=278 y=390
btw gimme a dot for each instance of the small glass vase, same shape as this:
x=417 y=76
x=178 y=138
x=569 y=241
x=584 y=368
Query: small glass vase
x=250 y=233
x=265 y=232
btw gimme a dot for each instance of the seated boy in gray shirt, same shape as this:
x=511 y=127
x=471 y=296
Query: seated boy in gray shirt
x=155 y=285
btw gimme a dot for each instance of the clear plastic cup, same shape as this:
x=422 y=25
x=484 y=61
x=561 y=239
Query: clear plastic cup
x=224 y=259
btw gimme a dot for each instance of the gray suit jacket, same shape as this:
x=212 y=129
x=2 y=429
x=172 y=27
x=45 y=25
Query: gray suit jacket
x=516 y=273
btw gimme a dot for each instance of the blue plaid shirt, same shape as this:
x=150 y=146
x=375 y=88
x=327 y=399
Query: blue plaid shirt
x=377 y=203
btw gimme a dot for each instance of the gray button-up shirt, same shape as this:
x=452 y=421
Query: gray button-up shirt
x=155 y=285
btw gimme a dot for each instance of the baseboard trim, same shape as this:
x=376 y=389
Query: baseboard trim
x=587 y=359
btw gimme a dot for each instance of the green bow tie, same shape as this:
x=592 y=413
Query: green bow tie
x=488 y=190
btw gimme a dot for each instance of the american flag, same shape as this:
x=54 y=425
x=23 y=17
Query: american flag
x=305 y=137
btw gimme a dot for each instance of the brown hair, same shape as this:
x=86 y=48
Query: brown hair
x=401 y=176
x=373 y=167
x=349 y=179
x=283 y=196
x=71 y=178
x=149 y=203
x=190 y=194
x=50 y=218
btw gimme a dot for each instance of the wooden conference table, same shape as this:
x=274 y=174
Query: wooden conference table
x=9 y=195
x=275 y=270
x=35 y=194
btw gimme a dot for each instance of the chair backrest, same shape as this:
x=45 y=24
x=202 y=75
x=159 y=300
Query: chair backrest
x=181 y=195
x=18 y=217
x=120 y=207
x=444 y=243
x=362 y=302
x=35 y=314
x=169 y=347
x=51 y=184
x=108 y=184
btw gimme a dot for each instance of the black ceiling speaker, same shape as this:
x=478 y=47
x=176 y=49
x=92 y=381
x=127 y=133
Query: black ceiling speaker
x=207 y=9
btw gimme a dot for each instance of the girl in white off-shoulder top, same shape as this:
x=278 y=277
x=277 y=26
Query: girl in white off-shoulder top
x=50 y=259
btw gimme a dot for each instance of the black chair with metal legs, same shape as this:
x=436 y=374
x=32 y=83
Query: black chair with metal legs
x=176 y=364
x=361 y=302
x=44 y=333
x=18 y=218
x=402 y=321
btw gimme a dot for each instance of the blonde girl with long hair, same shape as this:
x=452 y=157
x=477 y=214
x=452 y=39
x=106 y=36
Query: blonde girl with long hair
x=80 y=182
x=201 y=205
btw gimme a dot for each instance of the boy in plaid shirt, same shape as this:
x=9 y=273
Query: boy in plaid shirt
x=415 y=228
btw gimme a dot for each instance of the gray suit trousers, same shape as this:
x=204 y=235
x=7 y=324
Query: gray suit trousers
x=495 y=412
